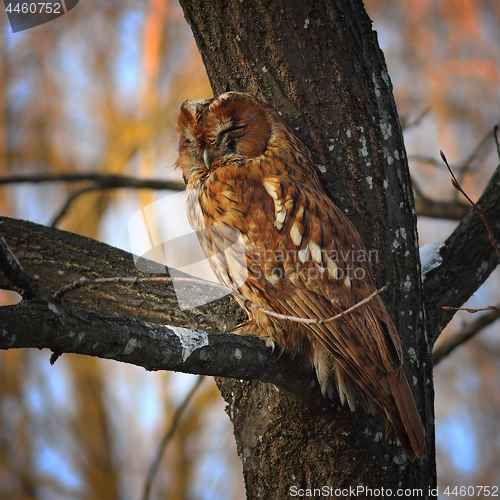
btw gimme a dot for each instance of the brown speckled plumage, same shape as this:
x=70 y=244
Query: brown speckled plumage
x=249 y=176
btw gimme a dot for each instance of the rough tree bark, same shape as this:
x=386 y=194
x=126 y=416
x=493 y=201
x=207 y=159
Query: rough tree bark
x=319 y=65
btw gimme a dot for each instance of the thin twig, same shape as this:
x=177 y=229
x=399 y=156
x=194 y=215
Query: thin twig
x=416 y=121
x=478 y=209
x=427 y=207
x=71 y=198
x=475 y=153
x=468 y=332
x=465 y=164
x=12 y=269
x=104 y=180
x=166 y=438
x=82 y=282
x=100 y=182
x=495 y=134
x=470 y=310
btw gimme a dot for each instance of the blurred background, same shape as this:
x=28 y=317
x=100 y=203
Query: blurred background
x=98 y=90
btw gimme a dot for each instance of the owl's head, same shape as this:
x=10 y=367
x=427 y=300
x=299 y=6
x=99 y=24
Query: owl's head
x=233 y=127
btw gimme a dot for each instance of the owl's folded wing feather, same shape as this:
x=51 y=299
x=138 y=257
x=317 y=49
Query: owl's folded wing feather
x=327 y=263
x=328 y=272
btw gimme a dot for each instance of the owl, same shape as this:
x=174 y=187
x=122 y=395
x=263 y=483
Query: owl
x=251 y=180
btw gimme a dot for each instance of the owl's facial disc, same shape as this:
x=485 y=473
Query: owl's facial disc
x=215 y=132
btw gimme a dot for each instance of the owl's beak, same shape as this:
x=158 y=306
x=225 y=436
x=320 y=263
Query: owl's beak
x=207 y=158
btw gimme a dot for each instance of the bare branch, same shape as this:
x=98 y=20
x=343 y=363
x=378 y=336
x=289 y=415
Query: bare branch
x=105 y=181
x=465 y=165
x=99 y=182
x=19 y=280
x=407 y=124
x=469 y=310
x=427 y=207
x=461 y=337
x=478 y=208
x=495 y=134
x=54 y=257
x=71 y=198
x=134 y=280
x=425 y=159
x=66 y=329
x=468 y=258
x=166 y=438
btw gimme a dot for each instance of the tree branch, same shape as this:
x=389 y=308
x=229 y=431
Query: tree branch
x=105 y=181
x=71 y=198
x=166 y=439
x=465 y=165
x=53 y=258
x=99 y=182
x=450 y=344
x=468 y=258
x=67 y=329
x=427 y=207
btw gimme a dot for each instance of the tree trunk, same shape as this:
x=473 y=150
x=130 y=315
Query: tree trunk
x=320 y=66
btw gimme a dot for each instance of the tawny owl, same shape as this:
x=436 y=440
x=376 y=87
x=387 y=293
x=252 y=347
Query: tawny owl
x=248 y=173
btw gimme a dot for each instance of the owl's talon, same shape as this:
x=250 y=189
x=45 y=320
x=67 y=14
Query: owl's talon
x=270 y=343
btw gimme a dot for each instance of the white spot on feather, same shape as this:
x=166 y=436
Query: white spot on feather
x=271 y=189
x=303 y=254
x=295 y=234
x=315 y=251
x=332 y=267
x=272 y=278
x=280 y=219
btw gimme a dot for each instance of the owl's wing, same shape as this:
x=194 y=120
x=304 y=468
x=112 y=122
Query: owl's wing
x=320 y=269
x=325 y=260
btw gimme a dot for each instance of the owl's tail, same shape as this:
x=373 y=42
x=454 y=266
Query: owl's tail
x=405 y=418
